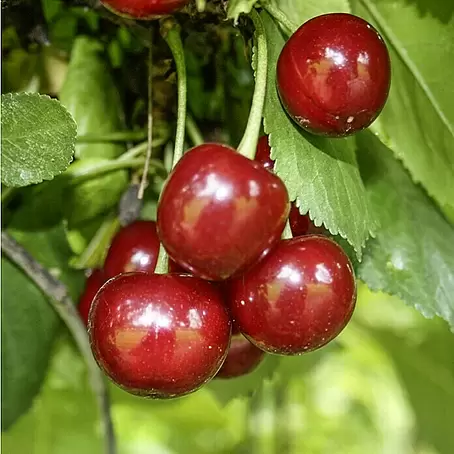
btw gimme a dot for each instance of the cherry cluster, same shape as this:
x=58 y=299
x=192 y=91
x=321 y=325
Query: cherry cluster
x=235 y=290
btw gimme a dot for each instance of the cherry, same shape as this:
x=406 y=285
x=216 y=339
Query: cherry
x=220 y=212
x=242 y=358
x=298 y=298
x=93 y=283
x=299 y=223
x=159 y=335
x=134 y=248
x=263 y=154
x=333 y=75
x=144 y=9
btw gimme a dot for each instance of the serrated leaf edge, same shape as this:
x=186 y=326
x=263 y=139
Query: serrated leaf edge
x=68 y=115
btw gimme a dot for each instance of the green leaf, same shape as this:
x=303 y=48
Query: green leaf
x=310 y=165
x=29 y=322
x=418 y=119
x=90 y=95
x=299 y=12
x=413 y=254
x=94 y=196
x=28 y=329
x=236 y=7
x=42 y=205
x=38 y=137
x=63 y=418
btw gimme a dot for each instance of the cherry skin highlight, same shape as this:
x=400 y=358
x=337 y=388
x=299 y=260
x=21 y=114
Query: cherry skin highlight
x=134 y=248
x=298 y=298
x=159 y=335
x=299 y=223
x=243 y=357
x=220 y=212
x=334 y=74
x=144 y=9
x=93 y=283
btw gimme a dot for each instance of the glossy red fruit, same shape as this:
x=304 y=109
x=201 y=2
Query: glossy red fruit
x=333 y=75
x=93 y=283
x=159 y=335
x=296 y=299
x=134 y=248
x=220 y=212
x=242 y=358
x=144 y=9
x=263 y=154
x=299 y=223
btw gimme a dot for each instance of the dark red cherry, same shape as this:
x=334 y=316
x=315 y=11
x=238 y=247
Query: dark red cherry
x=263 y=154
x=242 y=358
x=144 y=9
x=298 y=298
x=175 y=268
x=219 y=212
x=333 y=75
x=93 y=283
x=134 y=248
x=299 y=223
x=159 y=335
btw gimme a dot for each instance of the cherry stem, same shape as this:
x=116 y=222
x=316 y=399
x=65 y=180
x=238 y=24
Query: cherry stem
x=117 y=136
x=142 y=148
x=144 y=181
x=193 y=131
x=248 y=144
x=286 y=24
x=170 y=31
x=93 y=255
x=108 y=166
x=60 y=300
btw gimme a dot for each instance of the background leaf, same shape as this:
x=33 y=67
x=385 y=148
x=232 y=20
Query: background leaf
x=299 y=12
x=418 y=119
x=413 y=254
x=310 y=165
x=30 y=323
x=28 y=329
x=38 y=137
x=94 y=196
x=95 y=104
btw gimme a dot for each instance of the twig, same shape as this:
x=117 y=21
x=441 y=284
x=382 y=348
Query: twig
x=62 y=303
x=144 y=181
